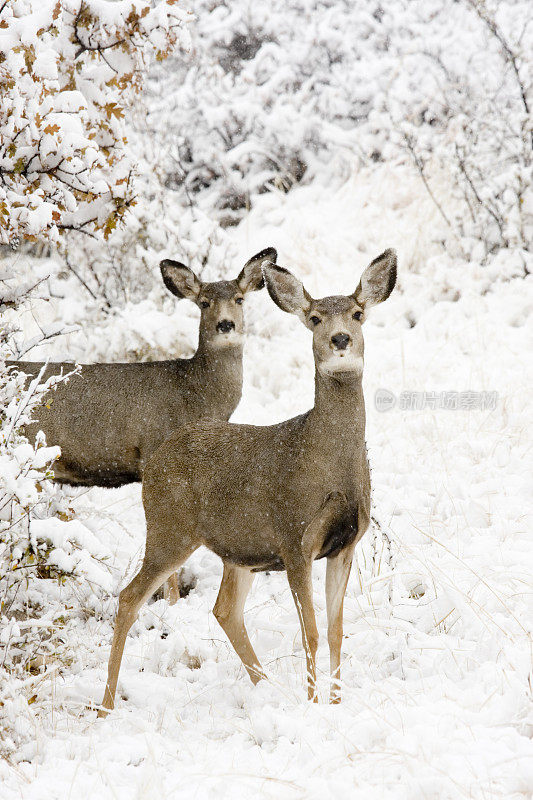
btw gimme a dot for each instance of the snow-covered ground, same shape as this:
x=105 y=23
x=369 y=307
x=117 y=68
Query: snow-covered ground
x=437 y=654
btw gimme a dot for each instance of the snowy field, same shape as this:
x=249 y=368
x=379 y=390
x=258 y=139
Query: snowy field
x=437 y=654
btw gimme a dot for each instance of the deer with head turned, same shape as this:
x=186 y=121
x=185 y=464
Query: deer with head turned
x=270 y=498
x=110 y=418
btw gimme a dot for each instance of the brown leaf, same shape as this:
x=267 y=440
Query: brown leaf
x=113 y=110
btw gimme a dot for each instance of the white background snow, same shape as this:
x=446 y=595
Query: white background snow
x=437 y=649
x=437 y=674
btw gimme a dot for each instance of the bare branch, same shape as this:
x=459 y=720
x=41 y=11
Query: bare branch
x=420 y=166
x=508 y=53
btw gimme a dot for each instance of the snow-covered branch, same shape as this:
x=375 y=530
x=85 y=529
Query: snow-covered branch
x=69 y=69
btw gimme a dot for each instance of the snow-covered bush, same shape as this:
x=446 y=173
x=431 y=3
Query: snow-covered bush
x=68 y=70
x=422 y=106
x=269 y=98
x=125 y=268
x=471 y=124
x=51 y=566
x=298 y=90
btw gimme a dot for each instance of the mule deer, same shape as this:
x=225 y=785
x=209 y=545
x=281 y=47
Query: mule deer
x=110 y=418
x=274 y=497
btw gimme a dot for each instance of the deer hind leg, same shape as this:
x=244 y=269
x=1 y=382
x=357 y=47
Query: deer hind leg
x=337 y=574
x=300 y=581
x=150 y=577
x=229 y=612
x=171 y=589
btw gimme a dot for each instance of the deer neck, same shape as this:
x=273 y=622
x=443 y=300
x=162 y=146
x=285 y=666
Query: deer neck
x=336 y=423
x=220 y=367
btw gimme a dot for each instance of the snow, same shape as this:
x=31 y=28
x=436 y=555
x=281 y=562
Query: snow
x=437 y=677
x=298 y=89
x=437 y=658
x=54 y=81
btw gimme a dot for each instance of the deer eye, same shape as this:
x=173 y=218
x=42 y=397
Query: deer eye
x=239 y=300
x=357 y=315
x=315 y=320
x=205 y=304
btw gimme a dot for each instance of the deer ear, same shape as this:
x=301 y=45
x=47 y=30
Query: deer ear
x=377 y=281
x=287 y=291
x=251 y=276
x=179 y=279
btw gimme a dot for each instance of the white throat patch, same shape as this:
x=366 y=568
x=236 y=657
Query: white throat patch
x=342 y=361
x=226 y=339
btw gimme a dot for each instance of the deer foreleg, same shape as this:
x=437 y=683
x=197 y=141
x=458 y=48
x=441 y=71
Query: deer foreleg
x=337 y=574
x=299 y=576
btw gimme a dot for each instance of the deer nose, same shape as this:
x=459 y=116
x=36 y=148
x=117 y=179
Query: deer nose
x=340 y=341
x=225 y=326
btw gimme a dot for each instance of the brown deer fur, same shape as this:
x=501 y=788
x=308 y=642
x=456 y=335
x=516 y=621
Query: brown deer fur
x=109 y=419
x=273 y=497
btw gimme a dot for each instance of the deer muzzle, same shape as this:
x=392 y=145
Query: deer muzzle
x=225 y=326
